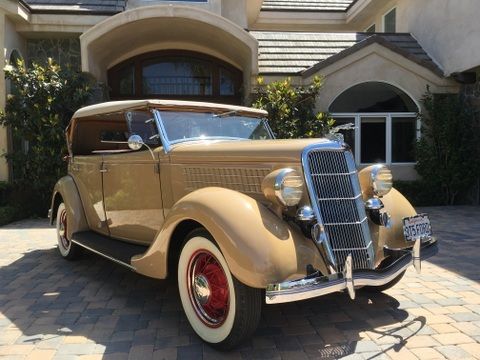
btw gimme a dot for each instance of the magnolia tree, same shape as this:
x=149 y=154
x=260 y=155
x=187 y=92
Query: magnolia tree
x=291 y=109
x=41 y=102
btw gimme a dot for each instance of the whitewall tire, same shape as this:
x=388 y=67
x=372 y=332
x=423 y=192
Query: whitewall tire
x=220 y=309
x=67 y=249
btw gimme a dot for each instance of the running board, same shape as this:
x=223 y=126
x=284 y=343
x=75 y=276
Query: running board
x=117 y=251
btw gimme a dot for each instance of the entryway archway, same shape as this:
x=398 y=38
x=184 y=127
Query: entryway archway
x=385 y=119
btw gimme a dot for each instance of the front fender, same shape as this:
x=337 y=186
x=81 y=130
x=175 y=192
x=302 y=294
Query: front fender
x=259 y=247
x=399 y=207
x=66 y=191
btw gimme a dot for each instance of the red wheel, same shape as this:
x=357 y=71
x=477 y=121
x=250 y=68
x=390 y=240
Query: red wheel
x=208 y=288
x=221 y=310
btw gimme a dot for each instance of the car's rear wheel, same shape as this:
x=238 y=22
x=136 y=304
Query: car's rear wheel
x=67 y=249
x=221 y=310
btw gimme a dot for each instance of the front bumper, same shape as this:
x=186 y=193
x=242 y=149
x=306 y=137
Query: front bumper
x=309 y=287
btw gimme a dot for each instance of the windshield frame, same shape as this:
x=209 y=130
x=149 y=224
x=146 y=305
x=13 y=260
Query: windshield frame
x=167 y=143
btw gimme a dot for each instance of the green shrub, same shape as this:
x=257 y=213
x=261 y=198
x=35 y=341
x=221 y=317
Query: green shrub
x=8 y=214
x=42 y=100
x=291 y=109
x=448 y=154
x=5 y=191
x=419 y=193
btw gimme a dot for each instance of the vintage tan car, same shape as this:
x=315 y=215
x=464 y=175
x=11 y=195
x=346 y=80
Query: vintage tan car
x=204 y=192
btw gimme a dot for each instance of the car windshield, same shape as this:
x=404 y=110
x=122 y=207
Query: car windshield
x=183 y=126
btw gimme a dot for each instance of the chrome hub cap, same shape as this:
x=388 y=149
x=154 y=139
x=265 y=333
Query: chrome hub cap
x=201 y=289
x=208 y=288
x=62 y=230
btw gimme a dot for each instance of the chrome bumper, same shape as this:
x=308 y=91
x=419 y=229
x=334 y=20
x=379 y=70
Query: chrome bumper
x=308 y=287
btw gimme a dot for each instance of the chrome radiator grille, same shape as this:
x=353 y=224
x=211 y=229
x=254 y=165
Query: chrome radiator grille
x=335 y=189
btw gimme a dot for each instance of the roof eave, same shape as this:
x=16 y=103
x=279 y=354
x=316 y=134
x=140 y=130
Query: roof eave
x=374 y=39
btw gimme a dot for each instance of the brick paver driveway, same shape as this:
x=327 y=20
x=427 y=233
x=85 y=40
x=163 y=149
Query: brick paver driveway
x=89 y=309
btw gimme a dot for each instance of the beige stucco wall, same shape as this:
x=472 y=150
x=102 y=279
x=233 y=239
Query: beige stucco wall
x=10 y=40
x=377 y=63
x=167 y=27
x=3 y=130
x=448 y=30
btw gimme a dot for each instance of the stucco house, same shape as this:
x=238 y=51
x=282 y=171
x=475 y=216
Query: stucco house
x=377 y=56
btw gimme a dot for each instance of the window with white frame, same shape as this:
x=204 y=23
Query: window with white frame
x=390 y=21
x=385 y=119
x=370 y=29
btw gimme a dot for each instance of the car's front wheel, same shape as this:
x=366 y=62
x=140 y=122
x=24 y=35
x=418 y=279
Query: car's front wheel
x=221 y=310
x=67 y=249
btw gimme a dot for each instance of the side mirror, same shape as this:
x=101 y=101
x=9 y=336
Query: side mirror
x=135 y=142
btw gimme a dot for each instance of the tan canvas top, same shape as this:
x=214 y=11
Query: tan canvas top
x=117 y=106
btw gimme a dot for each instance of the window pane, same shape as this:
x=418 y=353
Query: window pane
x=126 y=80
x=348 y=135
x=227 y=84
x=373 y=97
x=177 y=76
x=403 y=139
x=390 y=21
x=372 y=143
x=371 y=29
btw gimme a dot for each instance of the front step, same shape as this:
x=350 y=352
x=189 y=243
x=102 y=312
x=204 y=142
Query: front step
x=116 y=250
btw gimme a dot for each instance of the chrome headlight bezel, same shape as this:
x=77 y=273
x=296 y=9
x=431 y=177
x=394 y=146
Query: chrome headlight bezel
x=381 y=180
x=284 y=187
x=287 y=194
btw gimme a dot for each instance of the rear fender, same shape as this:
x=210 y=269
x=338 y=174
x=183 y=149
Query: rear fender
x=259 y=247
x=66 y=191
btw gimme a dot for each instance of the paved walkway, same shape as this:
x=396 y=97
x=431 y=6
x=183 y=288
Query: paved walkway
x=93 y=309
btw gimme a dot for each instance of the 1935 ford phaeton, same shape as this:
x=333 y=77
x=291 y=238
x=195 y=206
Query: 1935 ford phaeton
x=205 y=192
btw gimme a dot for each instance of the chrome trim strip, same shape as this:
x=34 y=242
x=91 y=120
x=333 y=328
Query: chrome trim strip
x=103 y=255
x=324 y=241
x=310 y=288
x=269 y=129
x=307 y=288
x=207 y=138
x=167 y=144
x=167 y=147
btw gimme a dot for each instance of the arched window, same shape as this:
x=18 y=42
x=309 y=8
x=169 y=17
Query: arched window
x=385 y=120
x=176 y=75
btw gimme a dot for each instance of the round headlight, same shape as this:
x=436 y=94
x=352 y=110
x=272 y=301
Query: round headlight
x=381 y=180
x=283 y=186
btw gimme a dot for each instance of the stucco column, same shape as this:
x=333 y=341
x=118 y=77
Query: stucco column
x=3 y=130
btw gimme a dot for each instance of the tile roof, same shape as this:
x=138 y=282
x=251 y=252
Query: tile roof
x=77 y=6
x=306 y=5
x=304 y=52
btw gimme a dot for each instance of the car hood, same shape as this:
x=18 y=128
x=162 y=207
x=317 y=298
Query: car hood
x=286 y=150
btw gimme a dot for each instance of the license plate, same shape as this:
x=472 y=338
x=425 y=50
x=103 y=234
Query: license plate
x=416 y=227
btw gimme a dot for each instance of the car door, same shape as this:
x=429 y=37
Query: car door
x=131 y=188
x=86 y=171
